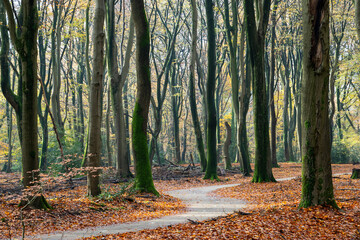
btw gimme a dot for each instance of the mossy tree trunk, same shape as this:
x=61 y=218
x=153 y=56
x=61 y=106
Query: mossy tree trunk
x=211 y=168
x=96 y=85
x=117 y=83
x=192 y=95
x=355 y=173
x=25 y=43
x=317 y=186
x=143 y=179
x=256 y=39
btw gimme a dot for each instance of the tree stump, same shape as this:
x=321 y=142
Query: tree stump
x=355 y=173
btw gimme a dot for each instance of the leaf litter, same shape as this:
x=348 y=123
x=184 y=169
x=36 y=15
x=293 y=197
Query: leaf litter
x=271 y=212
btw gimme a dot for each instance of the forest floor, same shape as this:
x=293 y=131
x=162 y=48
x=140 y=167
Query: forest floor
x=271 y=210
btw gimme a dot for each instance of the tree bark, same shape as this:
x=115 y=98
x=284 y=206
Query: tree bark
x=227 y=145
x=256 y=40
x=96 y=86
x=272 y=86
x=192 y=97
x=317 y=186
x=25 y=44
x=143 y=180
x=117 y=83
x=211 y=169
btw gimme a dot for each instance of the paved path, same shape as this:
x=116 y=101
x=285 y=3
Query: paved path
x=200 y=206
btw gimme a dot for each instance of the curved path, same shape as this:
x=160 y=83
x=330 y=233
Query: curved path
x=200 y=206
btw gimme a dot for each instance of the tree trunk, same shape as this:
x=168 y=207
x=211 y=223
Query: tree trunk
x=117 y=83
x=227 y=145
x=355 y=173
x=272 y=87
x=56 y=63
x=26 y=46
x=192 y=98
x=286 y=81
x=96 y=86
x=317 y=186
x=232 y=35
x=357 y=17
x=143 y=180
x=175 y=112
x=256 y=39
x=211 y=169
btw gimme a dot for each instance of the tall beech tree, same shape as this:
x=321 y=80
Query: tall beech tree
x=211 y=168
x=143 y=176
x=256 y=25
x=117 y=84
x=192 y=95
x=317 y=186
x=96 y=85
x=25 y=43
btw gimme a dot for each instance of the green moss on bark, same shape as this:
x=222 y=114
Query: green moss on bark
x=143 y=180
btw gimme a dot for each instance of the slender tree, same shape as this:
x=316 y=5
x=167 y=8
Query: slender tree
x=192 y=95
x=117 y=83
x=211 y=168
x=96 y=85
x=317 y=186
x=143 y=179
x=256 y=25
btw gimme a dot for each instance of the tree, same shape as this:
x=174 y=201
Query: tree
x=143 y=179
x=192 y=95
x=272 y=86
x=25 y=43
x=256 y=30
x=96 y=85
x=211 y=168
x=117 y=83
x=357 y=17
x=317 y=186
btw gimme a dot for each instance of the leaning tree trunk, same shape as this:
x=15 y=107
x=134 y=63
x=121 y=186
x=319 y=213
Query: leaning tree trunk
x=96 y=85
x=192 y=97
x=211 y=168
x=317 y=186
x=143 y=180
